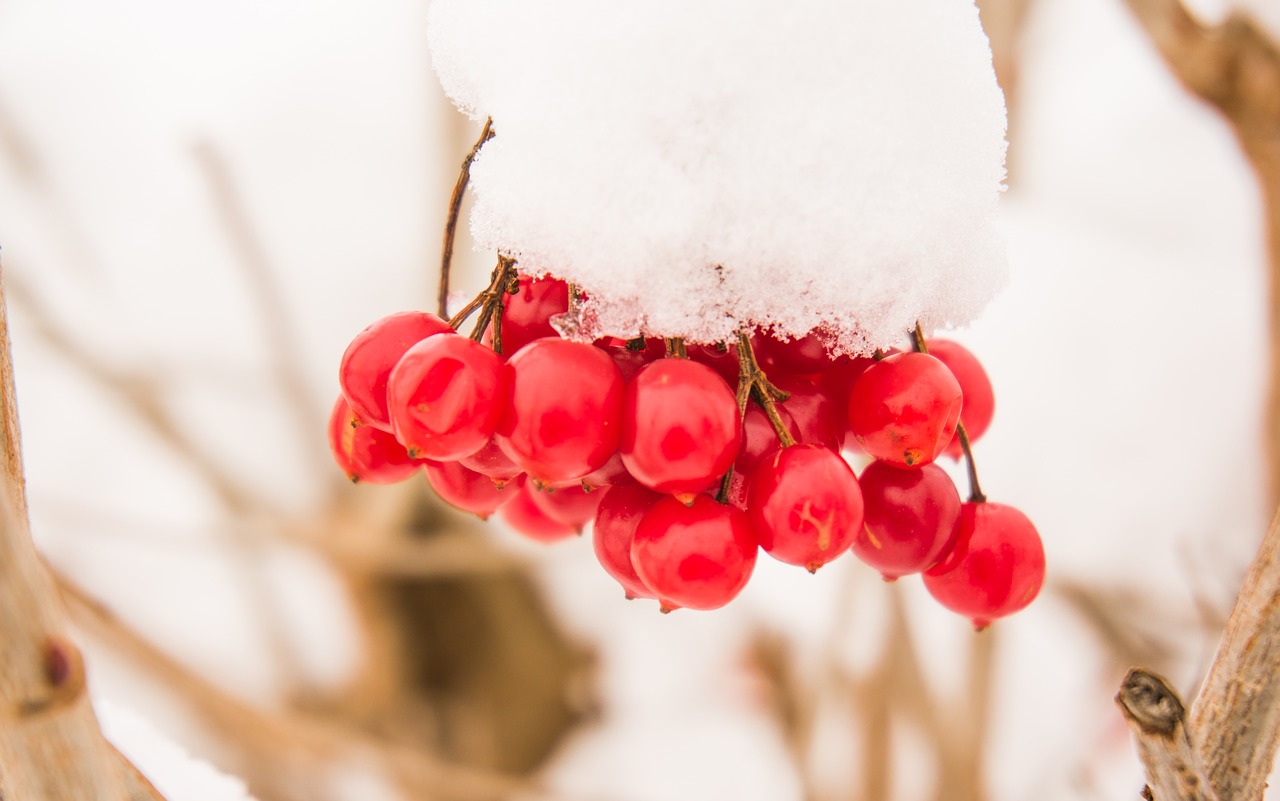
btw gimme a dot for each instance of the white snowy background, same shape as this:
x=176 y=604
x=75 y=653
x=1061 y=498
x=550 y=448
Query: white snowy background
x=1127 y=355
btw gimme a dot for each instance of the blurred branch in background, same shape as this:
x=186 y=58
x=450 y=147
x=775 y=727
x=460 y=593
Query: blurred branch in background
x=1005 y=22
x=1235 y=67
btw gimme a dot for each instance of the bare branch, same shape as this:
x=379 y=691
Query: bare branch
x=1157 y=719
x=50 y=745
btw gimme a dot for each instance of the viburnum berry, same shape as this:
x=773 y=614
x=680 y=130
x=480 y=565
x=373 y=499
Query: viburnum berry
x=995 y=568
x=366 y=454
x=524 y=516
x=758 y=437
x=492 y=462
x=910 y=518
x=979 y=397
x=446 y=395
x=468 y=490
x=903 y=409
x=796 y=355
x=571 y=505
x=367 y=363
x=817 y=419
x=698 y=556
x=563 y=408
x=617 y=516
x=804 y=505
x=680 y=427
x=526 y=315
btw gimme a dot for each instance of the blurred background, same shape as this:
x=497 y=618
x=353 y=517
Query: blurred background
x=200 y=205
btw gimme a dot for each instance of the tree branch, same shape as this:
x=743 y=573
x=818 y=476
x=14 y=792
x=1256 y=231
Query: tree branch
x=1156 y=717
x=50 y=745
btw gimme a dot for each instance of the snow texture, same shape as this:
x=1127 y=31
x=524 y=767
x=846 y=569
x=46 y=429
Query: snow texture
x=174 y=773
x=695 y=166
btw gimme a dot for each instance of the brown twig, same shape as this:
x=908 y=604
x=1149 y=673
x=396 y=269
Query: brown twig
x=1156 y=717
x=451 y=221
x=51 y=747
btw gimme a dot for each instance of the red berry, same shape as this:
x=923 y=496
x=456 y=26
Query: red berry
x=524 y=516
x=805 y=506
x=571 y=505
x=563 y=408
x=724 y=362
x=795 y=355
x=526 y=315
x=366 y=453
x=698 y=556
x=680 y=427
x=979 y=397
x=904 y=409
x=817 y=418
x=468 y=490
x=613 y=472
x=910 y=520
x=446 y=395
x=492 y=462
x=995 y=568
x=617 y=516
x=369 y=359
x=758 y=437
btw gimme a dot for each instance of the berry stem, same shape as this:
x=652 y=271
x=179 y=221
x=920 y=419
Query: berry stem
x=752 y=382
x=975 y=489
x=490 y=302
x=676 y=348
x=451 y=222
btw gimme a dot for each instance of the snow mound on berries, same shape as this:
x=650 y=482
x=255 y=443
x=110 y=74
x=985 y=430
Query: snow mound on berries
x=699 y=164
x=167 y=766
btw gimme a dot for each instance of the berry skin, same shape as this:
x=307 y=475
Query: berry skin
x=366 y=454
x=367 y=363
x=680 y=427
x=468 y=490
x=817 y=418
x=524 y=516
x=804 y=505
x=903 y=410
x=571 y=505
x=617 y=516
x=526 y=315
x=910 y=519
x=492 y=462
x=698 y=556
x=446 y=395
x=799 y=355
x=562 y=414
x=979 y=397
x=995 y=568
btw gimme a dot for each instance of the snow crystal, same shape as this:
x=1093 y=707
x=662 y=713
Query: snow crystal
x=174 y=773
x=695 y=165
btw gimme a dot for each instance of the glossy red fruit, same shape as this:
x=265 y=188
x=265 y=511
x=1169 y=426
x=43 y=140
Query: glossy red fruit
x=563 y=410
x=680 y=427
x=817 y=418
x=366 y=454
x=367 y=363
x=527 y=314
x=721 y=358
x=804 y=505
x=524 y=517
x=613 y=472
x=446 y=395
x=837 y=383
x=621 y=507
x=492 y=462
x=910 y=518
x=996 y=567
x=468 y=490
x=758 y=437
x=903 y=410
x=571 y=505
x=979 y=397
x=779 y=353
x=698 y=556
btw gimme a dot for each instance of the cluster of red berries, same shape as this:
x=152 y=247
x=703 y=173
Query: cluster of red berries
x=688 y=460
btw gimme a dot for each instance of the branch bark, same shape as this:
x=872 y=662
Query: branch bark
x=1157 y=719
x=51 y=747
